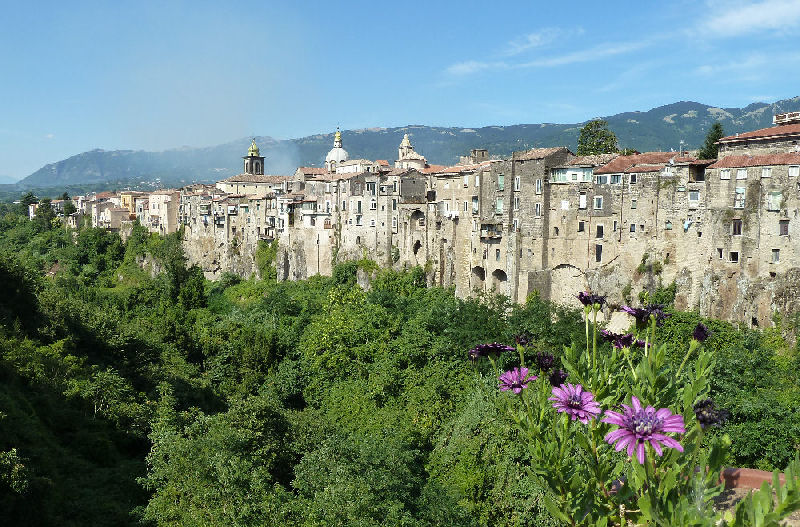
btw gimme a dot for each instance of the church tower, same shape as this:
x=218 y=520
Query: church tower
x=253 y=162
x=337 y=154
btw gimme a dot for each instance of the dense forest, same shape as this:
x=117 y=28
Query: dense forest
x=134 y=391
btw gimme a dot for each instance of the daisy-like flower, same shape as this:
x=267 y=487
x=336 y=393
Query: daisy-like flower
x=701 y=333
x=708 y=415
x=617 y=339
x=515 y=380
x=577 y=403
x=545 y=361
x=485 y=350
x=642 y=314
x=639 y=425
x=557 y=377
x=589 y=299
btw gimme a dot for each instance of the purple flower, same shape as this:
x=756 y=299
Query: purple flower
x=588 y=299
x=557 y=377
x=485 y=350
x=618 y=340
x=701 y=333
x=545 y=361
x=577 y=403
x=708 y=415
x=515 y=380
x=642 y=314
x=522 y=339
x=638 y=425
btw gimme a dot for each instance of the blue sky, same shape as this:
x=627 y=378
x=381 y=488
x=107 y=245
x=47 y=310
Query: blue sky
x=155 y=75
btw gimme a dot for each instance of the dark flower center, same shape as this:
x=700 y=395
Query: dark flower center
x=575 y=401
x=644 y=424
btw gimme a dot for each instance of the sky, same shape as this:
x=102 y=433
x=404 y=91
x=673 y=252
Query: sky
x=75 y=76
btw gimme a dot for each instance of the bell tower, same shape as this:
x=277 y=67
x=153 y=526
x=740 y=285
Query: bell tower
x=253 y=161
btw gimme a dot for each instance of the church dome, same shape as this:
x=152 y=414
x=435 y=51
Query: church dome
x=253 y=150
x=337 y=154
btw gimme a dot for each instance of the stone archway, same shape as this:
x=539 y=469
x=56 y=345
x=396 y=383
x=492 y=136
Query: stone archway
x=500 y=281
x=478 y=278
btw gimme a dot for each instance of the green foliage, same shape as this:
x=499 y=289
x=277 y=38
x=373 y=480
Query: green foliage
x=710 y=147
x=596 y=138
x=266 y=253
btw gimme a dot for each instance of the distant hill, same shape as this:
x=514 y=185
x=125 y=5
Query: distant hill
x=661 y=128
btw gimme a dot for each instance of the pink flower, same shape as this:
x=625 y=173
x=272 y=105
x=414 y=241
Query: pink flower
x=577 y=403
x=515 y=380
x=638 y=425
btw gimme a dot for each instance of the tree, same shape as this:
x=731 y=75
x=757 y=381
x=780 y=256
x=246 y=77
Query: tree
x=69 y=207
x=596 y=138
x=710 y=147
x=28 y=198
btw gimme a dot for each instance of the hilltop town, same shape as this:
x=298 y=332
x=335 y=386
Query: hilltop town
x=543 y=220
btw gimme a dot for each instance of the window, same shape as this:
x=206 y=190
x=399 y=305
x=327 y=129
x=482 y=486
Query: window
x=497 y=254
x=499 y=207
x=783 y=228
x=601 y=179
x=738 y=198
x=394 y=204
x=373 y=205
x=694 y=195
x=776 y=255
x=633 y=227
x=774 y=200
x=741 y=173
x=327 y=206
x=515 y=224
x=501 y=182
x=477 y=180
x=598 y=253
x=615 y=225
x=555 y=231
x=736 y=227
x=616 y=179
x=516 y=203
x=580 y=226
x=537 y=209
x=582 y=200
x=358 y=206
x=599 y=233
x=344 y=205
x=632 y=179
x=466 y=206
x=668 y=225
x=725 y=173
x=466 y=181
x=371 y=188
x=633 y=203
x=516 y=183
x=538 y=186
x=794 y=171
x=372 y=223
x=394 y=224
x=734 y=257
x=474 y=204
x=358 y=219
x=766 y=171
x=598 y=202
x=719 y=252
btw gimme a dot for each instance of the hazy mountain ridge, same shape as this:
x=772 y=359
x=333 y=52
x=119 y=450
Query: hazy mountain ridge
x=660 y=128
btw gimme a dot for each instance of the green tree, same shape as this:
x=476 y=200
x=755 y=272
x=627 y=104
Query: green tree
x=28 y=198
x=596 y=138
x=710 y=147
x=69 y=207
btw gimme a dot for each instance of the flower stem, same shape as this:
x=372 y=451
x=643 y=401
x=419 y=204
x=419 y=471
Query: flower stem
x=594 y=338
x=692 y=347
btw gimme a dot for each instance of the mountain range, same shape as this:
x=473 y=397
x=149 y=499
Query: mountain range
x=661 y=128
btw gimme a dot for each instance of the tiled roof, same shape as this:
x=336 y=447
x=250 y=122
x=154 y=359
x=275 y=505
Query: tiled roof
x=312 y=170
x=590 y=161
x=790 y=158
x=253 y=178
x=772 y=131
x=382 y=162
x=643 y=169
x=457 y=169
x=432 y=169
x=537 y=153
x=625 y=163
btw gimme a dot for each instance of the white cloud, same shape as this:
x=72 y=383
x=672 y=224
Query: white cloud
x=753 y=67
x=584 y=55
x=532 y=40
x=730 y=19
x=49 y=136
